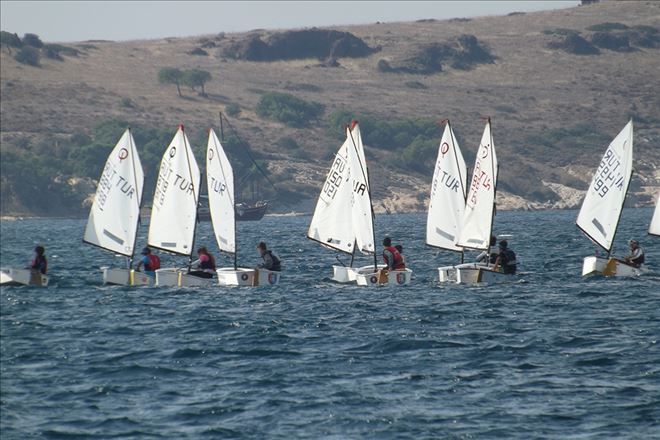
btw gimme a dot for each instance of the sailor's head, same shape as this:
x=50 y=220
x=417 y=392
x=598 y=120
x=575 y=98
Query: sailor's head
x=202 y=251
x=634 y=244
x=504 y=244
x=387 y=241
x=493 y=240
x=39 y=250
x=261 y=247
x=146 y=251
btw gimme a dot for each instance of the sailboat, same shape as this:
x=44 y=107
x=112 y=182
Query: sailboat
x=220 y=182
x=174 y=210
x=654 y=227
x=362 y=214
x=602 y=206
x=477 y=222
x=115 y=214
x=448 y=194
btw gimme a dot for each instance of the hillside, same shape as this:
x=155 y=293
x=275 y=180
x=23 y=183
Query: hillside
x=553 y=109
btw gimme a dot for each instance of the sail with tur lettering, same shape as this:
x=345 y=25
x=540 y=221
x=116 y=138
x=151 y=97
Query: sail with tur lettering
x=362 y=211
x=603 y=203
x=332 y=222
x=480 y=203
x=115 y=214
x=220 y=183
x=174 y=208
x=448 y=192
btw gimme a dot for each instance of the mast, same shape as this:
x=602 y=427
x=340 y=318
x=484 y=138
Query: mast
x=134 y=150
x=192 y=246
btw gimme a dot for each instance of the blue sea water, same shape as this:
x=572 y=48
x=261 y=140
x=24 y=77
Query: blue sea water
x=549 y=355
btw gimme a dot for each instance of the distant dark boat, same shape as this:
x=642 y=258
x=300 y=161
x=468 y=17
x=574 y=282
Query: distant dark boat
x=251 y=212
x=244 y=211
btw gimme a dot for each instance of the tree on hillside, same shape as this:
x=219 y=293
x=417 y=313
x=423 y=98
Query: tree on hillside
x=196 y=78
x=171 y=75
x=33 y=40
x=10 y=40
x=28 y=55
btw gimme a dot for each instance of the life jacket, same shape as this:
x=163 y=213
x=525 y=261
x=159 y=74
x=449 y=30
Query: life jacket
x=277 y=266
x=508 y=261
x=40 y=263
x=398 y=259
x=209 y=264
x=639 y=260
x=154 y=263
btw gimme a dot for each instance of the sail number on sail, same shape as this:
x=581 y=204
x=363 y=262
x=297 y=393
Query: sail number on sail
x=335 y=178
x=608 y=174
x=109 y=179
x=166 y=173
x=445 y=178
x=480 y=178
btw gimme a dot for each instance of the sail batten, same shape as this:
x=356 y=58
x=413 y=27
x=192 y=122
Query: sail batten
x=603 y=203
x=447 y=196
x=479 y=211
x=220 y=183
x=174 y=209
x=114 y=217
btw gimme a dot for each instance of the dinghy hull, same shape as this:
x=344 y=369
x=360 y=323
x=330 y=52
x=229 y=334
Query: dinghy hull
x=609 y=267
x=470 y=273
x=393 y=278
x=22 y=277
x=228 y=276
x=125 y=277
x=174 y=277
x=343 y=274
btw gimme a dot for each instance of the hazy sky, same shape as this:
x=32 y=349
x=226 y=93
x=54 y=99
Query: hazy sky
x=123 y=20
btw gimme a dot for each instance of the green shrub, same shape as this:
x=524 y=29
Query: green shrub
x=416 y=85
x=288 y=109
x=607 y=27
x=28 y=55
x=287 y=142
x=9 y=39
x=561 y=32
x=33 y=40
x=171 y=75
x=61 y=49
x=127 y=103
x=233 y=109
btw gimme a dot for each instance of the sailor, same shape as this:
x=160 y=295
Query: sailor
x=636 y=257
x=506 y=259
x=271 y=262
x=399 y=248
x=39 y=262
x=205 y=264
x=485 y=257
x=150 y=262
x=391 y=256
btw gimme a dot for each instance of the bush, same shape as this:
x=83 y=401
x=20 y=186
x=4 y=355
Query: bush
x=288 y=109
x=9 y=39
x=288 y=143
x=419 y=148
x=607 y=27
x=28 y=55
x=171 y=75
x=617 y=43
x=576 y=45
x=416 y=85
x=199 y=51
x=61 y=49
x=127 y=103
x=196 y=78
x=233 y=109
x=32 y=40
x=561 y=32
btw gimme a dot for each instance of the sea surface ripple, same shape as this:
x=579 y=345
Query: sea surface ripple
x=548 y=355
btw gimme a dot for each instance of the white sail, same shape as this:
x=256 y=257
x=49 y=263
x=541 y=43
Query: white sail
x=220 y=182
x=332 y=222
x=447 y=200
x=362 y=213
x=601 y=208
x=115 y=213
x=174 y=209
x=479 y=207
x=654 y=228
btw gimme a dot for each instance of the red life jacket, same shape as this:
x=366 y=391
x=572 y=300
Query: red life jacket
x=154 y=263
x=398 y=259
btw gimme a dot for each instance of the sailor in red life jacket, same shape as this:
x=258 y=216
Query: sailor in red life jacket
x=150 y=261
x=391 y=256
x=205 y=264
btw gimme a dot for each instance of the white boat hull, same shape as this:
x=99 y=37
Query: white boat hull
x=343 y=274
x=173 y=277
x=470 y=273
x=609 y=267
x=393 y=278
x=125 y=277
x=243 y=276
x=22 y=277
